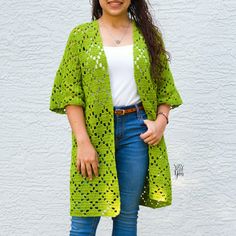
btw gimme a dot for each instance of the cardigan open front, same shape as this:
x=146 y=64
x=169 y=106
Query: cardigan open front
x=83 y=79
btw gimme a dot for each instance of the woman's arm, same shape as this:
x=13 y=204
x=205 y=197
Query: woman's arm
x=75 y=115
x=165 y=108
x=87 y=157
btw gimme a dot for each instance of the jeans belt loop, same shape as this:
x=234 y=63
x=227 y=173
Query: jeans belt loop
x=137 y=110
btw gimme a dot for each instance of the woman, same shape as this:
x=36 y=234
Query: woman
x=115 y=85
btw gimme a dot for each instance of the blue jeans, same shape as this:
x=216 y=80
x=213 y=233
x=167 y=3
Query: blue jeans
x=132 y=165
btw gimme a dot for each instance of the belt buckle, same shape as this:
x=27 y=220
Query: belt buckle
x=123 y=111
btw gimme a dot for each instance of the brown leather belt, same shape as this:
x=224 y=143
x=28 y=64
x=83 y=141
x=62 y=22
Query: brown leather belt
x=128 y=110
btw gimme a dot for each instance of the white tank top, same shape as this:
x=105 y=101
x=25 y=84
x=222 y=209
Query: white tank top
x=121 y=70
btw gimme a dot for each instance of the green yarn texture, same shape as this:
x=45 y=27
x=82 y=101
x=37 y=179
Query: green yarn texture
x=83 y=79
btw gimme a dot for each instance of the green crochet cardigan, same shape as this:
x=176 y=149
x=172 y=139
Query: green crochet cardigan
x=82 y=79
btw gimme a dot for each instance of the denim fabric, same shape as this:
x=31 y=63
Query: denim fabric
x=132 y=165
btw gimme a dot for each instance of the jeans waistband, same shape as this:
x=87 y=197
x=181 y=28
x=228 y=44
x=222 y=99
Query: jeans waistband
x=129 y=106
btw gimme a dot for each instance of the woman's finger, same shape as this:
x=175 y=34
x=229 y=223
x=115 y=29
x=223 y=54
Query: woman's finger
x=153 y=142
x=89 y=170
x=83 y=170
x=156 y=143
x=95 y=168
x=150 y=138
x=78 y=165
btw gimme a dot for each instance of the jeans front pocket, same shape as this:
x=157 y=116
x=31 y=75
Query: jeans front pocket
x=143 y=116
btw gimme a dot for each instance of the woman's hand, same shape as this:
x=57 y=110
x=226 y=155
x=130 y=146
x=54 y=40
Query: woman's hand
x=155 y=130
x=87 y=159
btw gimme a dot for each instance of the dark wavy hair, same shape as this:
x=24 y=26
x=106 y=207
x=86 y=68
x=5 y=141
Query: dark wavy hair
x=138 y=10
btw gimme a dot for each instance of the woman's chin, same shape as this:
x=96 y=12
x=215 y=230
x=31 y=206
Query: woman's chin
x=116 y=11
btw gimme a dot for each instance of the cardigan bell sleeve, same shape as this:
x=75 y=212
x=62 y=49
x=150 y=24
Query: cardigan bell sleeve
x=67 y=88
x=166 y=89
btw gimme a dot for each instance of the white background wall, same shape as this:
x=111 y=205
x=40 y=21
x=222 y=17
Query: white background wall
x=35 y=143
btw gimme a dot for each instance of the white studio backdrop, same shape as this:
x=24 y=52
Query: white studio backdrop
x=201 y=136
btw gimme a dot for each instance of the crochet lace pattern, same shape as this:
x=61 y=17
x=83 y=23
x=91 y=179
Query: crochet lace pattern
x=83 y=79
